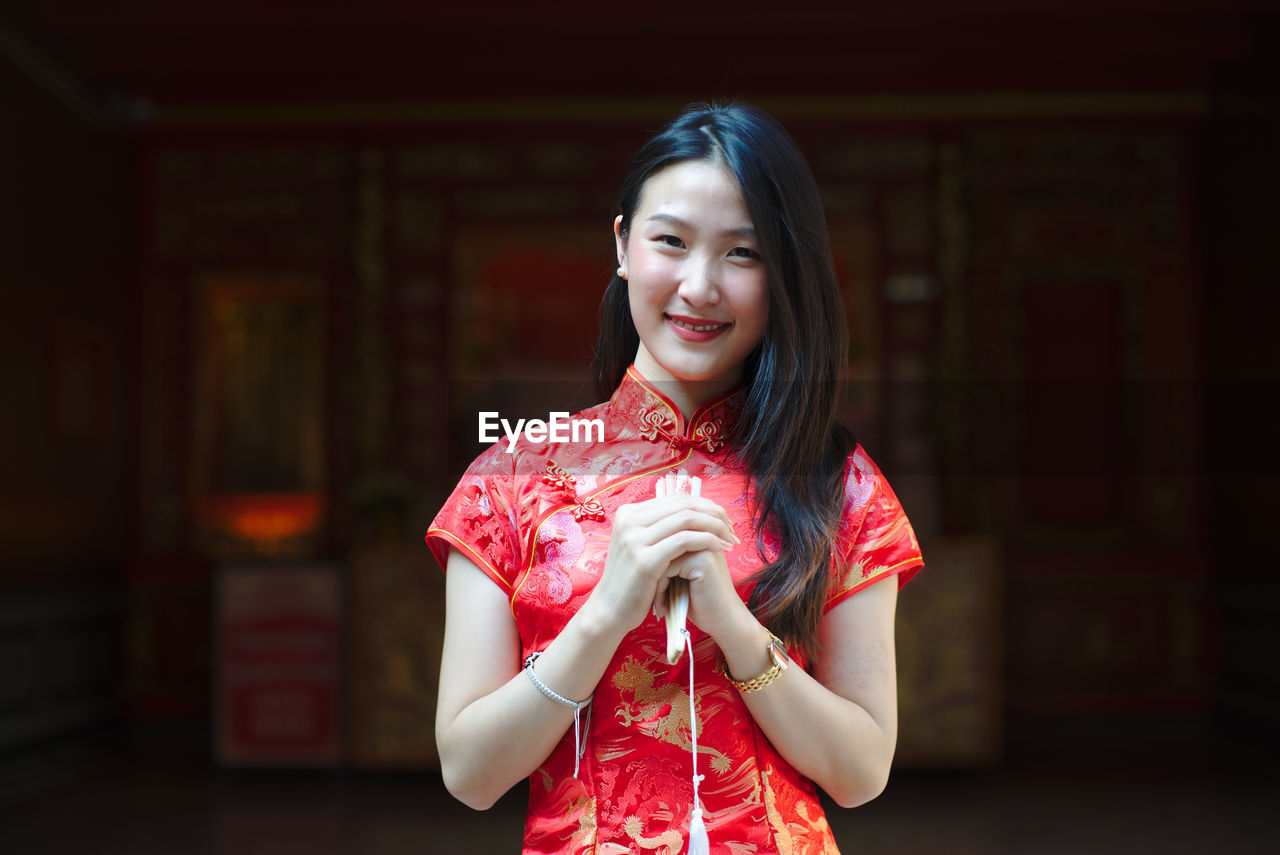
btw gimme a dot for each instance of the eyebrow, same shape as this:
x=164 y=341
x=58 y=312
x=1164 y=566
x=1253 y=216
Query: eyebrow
x=744 y=232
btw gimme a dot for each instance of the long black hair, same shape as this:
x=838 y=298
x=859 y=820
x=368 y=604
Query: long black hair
x=787 y=438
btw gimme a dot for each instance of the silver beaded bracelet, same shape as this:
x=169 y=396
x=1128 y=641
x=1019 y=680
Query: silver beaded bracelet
x=579 y=743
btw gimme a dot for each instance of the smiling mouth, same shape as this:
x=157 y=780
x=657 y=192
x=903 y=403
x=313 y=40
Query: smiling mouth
x=689 y=325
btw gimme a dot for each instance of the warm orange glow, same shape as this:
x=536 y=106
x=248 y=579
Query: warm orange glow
x=267 y=520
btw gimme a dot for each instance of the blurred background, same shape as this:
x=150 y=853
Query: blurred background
x=259 y=261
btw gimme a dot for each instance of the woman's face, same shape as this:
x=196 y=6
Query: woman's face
x=696 y=283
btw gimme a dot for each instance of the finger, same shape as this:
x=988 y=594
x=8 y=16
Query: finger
x=688 y=519
x=648 y=512
x=669 y=549
x=707 y=506
x=689 y=567
x=660 y=599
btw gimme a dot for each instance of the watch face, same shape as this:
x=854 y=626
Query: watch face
x=779 y=652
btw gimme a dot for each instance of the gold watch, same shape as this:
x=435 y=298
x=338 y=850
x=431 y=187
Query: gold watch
x=777 y=652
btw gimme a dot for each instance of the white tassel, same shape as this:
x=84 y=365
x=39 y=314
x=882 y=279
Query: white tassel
x=677 y=632
x=698 y=843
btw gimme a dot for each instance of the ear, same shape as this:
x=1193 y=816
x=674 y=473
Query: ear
x=621 y=242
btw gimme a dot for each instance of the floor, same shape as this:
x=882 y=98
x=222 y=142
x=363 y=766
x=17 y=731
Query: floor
x=1066 y=801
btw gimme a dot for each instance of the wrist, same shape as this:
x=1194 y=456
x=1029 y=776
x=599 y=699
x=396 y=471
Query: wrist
x=596 y=625
x=779 y=660
x=745 y=648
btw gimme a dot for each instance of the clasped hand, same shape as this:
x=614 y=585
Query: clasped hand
x=661 y=539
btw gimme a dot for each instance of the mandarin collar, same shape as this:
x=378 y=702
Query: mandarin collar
x=654 y=417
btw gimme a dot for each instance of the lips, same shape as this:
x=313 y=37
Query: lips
x=696 y=329
x=697 y=324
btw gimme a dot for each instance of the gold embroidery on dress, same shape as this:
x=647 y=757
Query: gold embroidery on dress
x=813 y=832
x=659 y=712
x=781 y=834
x=711 y=434
x=656 y=425
x=740 y=788
x=670 y=840
x=855 y=574
x=557 y=477
x=568 y=803
x=586 y=825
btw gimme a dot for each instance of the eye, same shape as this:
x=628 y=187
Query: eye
x=745 y=252
x=670 y=240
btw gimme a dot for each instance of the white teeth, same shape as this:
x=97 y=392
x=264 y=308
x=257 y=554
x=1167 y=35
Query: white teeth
x=698 y=329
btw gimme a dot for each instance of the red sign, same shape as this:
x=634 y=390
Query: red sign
x=278 y=666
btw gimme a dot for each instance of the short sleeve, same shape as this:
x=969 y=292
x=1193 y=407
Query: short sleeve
x=479 y=519
x=875 y=538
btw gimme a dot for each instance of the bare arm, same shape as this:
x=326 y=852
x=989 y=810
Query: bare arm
x=493 y=727
x=839 y=726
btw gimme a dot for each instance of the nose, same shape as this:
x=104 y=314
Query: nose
x=700 y=282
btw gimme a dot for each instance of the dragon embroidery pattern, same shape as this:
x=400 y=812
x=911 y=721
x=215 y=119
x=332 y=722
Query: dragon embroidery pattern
x=660 y=712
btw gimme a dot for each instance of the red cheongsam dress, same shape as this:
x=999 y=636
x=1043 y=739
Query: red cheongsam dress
x=537 y=521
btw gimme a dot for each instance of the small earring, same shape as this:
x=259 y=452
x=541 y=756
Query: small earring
x=622 y=273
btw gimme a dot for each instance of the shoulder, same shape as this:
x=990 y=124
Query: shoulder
x=864 y=483
x=493 y=461
x=867 y=493
x=875 y=536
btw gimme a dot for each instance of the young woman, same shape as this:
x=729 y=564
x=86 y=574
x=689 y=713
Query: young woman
x=722 y=341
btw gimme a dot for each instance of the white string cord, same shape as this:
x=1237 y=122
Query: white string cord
x=698 y=843
x=579 y=743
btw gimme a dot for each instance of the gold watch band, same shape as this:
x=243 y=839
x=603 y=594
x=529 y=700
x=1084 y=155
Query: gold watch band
x=777 y=652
